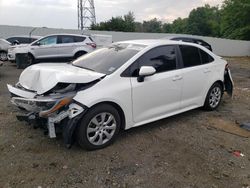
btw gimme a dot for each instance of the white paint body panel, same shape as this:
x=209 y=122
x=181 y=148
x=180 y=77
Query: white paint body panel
x=43 y=77
x=160 y=95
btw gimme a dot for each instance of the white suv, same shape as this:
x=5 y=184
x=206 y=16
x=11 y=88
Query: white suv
x=128 y=84
x=55 y=47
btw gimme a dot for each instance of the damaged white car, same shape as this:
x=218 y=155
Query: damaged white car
x=128 y=84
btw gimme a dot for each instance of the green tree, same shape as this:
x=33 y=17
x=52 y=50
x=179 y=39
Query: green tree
x=119 y=23
x=204 y=21
x=236 y=19
x=179 y=25
x=152 y=26
x=129 y=20
x=167 y=28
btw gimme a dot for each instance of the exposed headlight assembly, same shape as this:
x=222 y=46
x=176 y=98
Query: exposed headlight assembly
x=61 y=103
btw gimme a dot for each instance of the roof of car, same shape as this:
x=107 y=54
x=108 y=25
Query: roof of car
x=26 y=36
x=149 y=42
x=60 y=34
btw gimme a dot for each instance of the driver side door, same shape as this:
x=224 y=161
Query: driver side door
x=158 y=95
x=45 y=48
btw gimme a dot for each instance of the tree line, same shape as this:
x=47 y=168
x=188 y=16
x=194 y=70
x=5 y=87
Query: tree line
x=231 y=20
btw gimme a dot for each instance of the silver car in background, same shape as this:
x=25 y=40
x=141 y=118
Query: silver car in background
x=55 y=47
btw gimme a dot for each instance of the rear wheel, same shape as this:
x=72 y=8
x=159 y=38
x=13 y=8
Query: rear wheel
x=214 y=97
x=99 y=127
x=3 y=56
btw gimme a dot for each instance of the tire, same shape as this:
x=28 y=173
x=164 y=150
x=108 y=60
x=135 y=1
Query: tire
x=79 y=54
x=213 y=98
x=30 y=60
x=99 y=127
x=3 y=56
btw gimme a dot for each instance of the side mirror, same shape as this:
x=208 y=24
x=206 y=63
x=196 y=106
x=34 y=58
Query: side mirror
x=38 y=44
x=144 y=72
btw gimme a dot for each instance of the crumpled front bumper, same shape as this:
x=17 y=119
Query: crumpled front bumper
x=46 y=110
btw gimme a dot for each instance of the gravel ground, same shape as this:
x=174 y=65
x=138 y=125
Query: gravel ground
x=186 y=150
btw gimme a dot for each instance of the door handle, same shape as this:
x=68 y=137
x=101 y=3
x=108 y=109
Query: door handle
x=207 y=70
x=177 y=77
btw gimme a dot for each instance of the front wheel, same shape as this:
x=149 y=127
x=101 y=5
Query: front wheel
x=99 y=127
x=214 y=97
x=3 y=56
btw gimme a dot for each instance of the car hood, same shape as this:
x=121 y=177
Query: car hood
x=43 y=77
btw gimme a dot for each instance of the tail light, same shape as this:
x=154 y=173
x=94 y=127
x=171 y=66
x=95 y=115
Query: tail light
x=93 y=45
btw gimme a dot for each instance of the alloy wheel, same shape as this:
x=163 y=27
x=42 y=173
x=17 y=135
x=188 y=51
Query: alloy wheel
x=215 y=97
x=3 y=56
x=101 y=128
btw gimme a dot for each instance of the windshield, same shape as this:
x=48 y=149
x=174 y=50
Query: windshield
x=107 y=60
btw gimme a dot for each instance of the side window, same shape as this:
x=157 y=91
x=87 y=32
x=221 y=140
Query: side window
x=190 y=56
x=67 y=39
x=79 y=39
x=48 y=40
x=161 y=58
x=205 y=57
x=11 y=39
x=24 y=40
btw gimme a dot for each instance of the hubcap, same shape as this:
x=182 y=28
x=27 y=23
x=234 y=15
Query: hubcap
x=3 y=56
x=101 y=128
x=215 y=96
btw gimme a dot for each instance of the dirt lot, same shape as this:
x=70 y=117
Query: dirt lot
x=187 y=150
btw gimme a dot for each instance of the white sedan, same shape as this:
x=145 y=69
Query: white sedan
x=125 y=85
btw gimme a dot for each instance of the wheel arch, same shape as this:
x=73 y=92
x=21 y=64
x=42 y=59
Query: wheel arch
x=80 y=51
x=118 y=108
x=29 y=53
x=217 y=81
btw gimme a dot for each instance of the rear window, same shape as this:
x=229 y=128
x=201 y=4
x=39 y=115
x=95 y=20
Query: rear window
x=190 y=56
x=67 y=39
x=205 y=57
x=79 y=39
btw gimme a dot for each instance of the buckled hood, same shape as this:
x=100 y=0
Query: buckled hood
x=43 y=77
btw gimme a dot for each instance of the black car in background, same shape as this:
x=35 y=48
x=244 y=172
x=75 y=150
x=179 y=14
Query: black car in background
x=193 y=40
x=22 y=39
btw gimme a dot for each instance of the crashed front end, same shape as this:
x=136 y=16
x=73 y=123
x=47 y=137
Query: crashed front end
x=53 y=112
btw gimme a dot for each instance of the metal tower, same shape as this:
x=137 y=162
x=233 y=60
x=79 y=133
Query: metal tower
x=86 y=14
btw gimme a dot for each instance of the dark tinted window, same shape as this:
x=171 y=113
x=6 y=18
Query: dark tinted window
x=21 y=40
x=205 y=57
x=91 y=39
x=79 y=39
x=161 y=58
x=11 y=39
x=67 y=39
x=24 y=40
x=190 y=56
x=109 y=59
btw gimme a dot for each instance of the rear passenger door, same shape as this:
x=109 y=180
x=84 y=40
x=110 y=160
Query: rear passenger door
x=197 y=69
x=67 y=45
x=160 y=94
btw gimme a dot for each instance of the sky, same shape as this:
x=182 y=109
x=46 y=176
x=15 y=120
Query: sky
x=63 y=13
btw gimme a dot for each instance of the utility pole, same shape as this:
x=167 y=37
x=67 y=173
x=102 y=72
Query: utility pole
x=86 y=14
